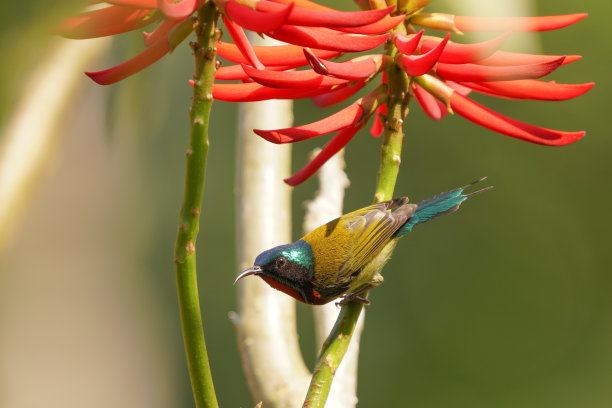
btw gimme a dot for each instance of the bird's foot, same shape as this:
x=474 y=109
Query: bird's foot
x=353 y=298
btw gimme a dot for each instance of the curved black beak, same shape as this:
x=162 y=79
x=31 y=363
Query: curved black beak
x=255 y=270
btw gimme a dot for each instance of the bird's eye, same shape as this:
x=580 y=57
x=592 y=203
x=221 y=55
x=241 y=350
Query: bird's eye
x=280 y=261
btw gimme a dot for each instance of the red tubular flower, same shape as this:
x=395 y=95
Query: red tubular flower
x=490 y=119
x=440 y=72
x=106 y=21
x=356 y=69
x=416 y=65
x=337 y=95
x=275 y=55
x=334 y=146
x=348 y=116
x=407 y=45
x=455 y=53
x=255 y=20
x=531 y=89
x=475 y=73
x=291 y=79
x=496 y=121
x=127 y=15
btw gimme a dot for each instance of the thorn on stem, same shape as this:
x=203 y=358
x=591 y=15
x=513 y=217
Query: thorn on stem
x=396 y=124
x=210 y=53
x=218 y=34
x=190 y=247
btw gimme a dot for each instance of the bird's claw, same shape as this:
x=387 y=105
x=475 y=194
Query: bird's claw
x=353 y=298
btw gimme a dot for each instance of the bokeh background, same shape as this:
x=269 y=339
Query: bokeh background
x=506 y=303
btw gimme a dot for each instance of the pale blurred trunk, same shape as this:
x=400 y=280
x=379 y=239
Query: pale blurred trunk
x=30 y=136
x=265 y=320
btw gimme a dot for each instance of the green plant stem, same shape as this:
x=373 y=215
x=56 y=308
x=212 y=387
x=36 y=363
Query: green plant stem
x=185 y=250
x=337 y=342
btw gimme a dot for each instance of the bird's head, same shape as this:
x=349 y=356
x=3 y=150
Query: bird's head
x=288 y=268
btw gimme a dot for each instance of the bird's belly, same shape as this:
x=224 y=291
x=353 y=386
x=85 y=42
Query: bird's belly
x=368 y=274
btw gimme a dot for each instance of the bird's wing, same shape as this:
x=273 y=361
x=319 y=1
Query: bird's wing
x=372 y=227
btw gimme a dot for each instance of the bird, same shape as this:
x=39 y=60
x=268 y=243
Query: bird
x=345 y=257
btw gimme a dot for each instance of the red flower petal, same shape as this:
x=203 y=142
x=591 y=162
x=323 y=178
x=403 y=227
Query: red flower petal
x=242 y=42
x=317 y=18
x=251 y=92
x=236 y=73
x=150 y=4
x=416 y=65
x=511 y=127
x=337 y=95
x=339 y=120
x=305 y=4
x=327 y=39
x=333 y=147
x=379 y=27
x=479 y=73
x=532 y=89
x=377 y=126
x=540 y=23
x=256 y=20
x=430 y=105
x=463 y=90
x=455 y=53
x=160 y=31
x=506 y=58
x=478 y=87
x=436 y=21
x=407 y=45
x=178 y=11
x=105 y=21
x=291 y=79
x=286 y=55
x=151 y=54
x=356 y=69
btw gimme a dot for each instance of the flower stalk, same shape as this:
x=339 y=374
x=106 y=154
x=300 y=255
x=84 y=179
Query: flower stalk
x=185 y=250
x=337 y=342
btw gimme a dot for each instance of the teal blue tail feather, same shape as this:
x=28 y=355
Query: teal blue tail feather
x=440 y=204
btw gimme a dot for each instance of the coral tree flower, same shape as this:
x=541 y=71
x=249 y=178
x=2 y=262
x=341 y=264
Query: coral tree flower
x=121 y=16
x=441 y=72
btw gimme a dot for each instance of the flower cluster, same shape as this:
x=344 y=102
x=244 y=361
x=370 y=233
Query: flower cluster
x=175 y=23
x=439 y=73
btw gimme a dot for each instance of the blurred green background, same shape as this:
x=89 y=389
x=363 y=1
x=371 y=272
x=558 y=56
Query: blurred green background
x=506 y=303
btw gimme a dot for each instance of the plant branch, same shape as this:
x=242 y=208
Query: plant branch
x=185 y=250
x=339 y=338
x=326 y=206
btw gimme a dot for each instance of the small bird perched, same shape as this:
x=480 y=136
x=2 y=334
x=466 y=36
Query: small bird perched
x=344 y=257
